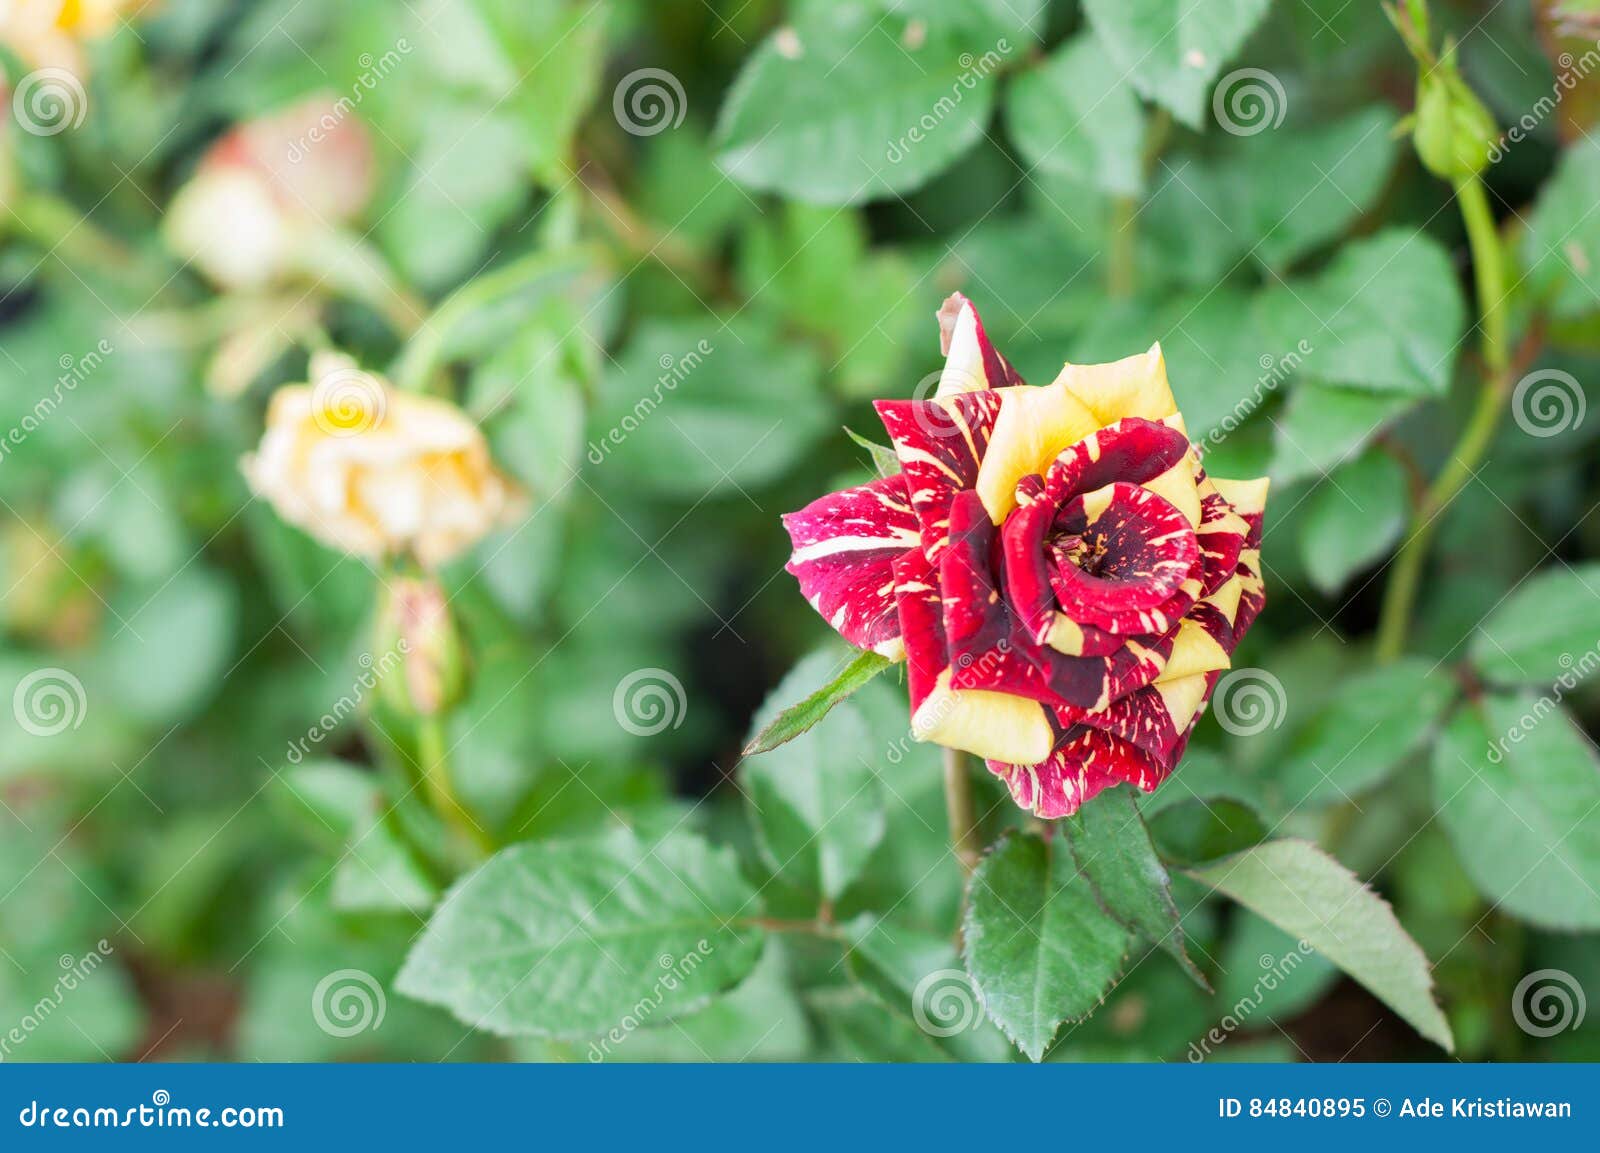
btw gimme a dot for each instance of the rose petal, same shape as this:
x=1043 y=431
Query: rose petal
x=845 y=545
x=971 y=361
x=941 y=444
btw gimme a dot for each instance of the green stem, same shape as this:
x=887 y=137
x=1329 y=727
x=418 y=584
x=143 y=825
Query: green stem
x=433 y=755
x=965 y=840
x=354 y=267
x=1122 y=257
x=70 y=237
x=425 y=351
x=1488 y=263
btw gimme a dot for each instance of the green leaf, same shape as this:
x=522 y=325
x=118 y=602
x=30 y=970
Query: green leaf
x=172 y=645
x=1374 y=720
x=1038 y=944
x=853 y=105
x=1171 y=50
x=1386 y=315
x=1113 y=849
x=1517 y=787
x=1352 y=519
x=815 y=801
x=1267 y=969
x=1314 y=898
x=680 y=415
x=565 y=939
x=1546 y=626
x=1323 y=426
x=884 y=461
x=796 y=719
x=1072 y=116
x=1561 y=247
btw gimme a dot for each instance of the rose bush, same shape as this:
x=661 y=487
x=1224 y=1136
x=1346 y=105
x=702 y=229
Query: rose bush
x=1062 y=578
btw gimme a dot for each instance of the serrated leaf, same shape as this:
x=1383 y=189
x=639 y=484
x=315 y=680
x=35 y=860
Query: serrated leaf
x=1073 y=116
x=815 y=801
x=1171 y=50
x=796 y=719
x=1323 y=426
x=1561 y=247
x=848 y=106
x=1312 y=897
x=1386 y=315
x=1037 y=942
x=1517 y=787
x=1374 y=719
x=565 y=938
x=1352 y=519
x=1546 y=626
x=1112 y=846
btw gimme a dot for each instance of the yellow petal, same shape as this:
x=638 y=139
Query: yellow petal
x=1246 y=496
x=1177 y=486
x=1194 y=652
x=1226 y=599
x=1183 y=698
x=999 y=726
x=1133 y=386
x=1034 y=426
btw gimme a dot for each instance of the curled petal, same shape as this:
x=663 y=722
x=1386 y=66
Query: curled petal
x=845 y=545
x=971 y=360
x=941 y=445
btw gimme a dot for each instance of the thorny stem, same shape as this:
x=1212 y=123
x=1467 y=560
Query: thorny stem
x=1488 y=262
x=965 y=840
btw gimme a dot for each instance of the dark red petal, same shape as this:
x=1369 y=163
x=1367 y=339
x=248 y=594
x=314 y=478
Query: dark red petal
x=1084 y=762
x=921 y=623
x=1132 y=450
x=940 y=444
x=997 y=369
x=1130 y=551
x=845 y=545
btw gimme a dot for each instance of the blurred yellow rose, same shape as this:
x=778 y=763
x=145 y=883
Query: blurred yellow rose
x=377 y=472
x=46 y=33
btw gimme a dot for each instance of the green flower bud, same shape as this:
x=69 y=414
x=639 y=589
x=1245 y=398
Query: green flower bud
x=1455 y=135
x=415 y=622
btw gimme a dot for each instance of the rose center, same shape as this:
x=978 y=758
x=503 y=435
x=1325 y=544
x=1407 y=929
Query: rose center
x=1120 y=547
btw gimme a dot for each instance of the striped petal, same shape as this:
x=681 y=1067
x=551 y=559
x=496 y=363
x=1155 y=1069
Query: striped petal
x=971 y=361
x=941 y=444
x=845 y=545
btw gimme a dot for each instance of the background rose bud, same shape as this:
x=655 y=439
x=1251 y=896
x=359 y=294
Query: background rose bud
x=1455 y=133
x=415 y=622
x=268 y=189
x=376 y=472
